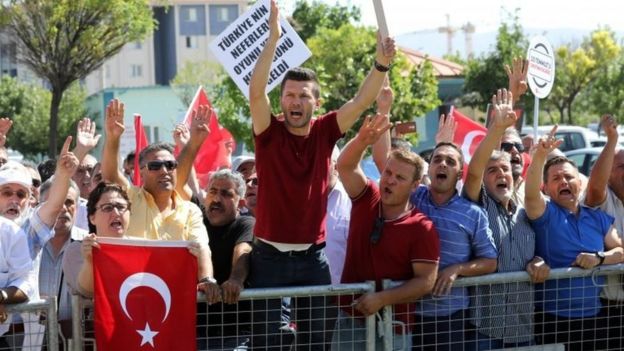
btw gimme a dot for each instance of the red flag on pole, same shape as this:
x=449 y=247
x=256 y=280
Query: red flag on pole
x=141 y=143
x=468 y=135
x=215 y=152
x=145 y=293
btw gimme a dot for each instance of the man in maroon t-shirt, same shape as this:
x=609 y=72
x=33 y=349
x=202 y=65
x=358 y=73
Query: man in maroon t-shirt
x=292 y=164
x=388 y=237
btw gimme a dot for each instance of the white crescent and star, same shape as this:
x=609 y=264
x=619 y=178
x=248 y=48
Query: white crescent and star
x=151 y=281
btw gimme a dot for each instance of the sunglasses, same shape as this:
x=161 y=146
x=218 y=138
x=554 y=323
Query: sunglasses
x=21 y=194
x=377 y=230
x=157 y=165
x=507 y=147
x=108 y=208
x=252 y=181
x=36 y=182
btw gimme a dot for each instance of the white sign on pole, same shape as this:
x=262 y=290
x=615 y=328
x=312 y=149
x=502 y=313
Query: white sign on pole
x=238 y=47
x=381 y=19
x=541 y=71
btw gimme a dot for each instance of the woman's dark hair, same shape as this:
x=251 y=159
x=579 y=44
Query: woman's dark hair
x=95 y=196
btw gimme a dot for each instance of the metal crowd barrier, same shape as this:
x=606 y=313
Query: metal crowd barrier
x=273 y=318
x=507 y=311
x=36 y=320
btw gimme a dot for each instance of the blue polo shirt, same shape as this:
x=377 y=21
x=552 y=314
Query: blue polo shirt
x=464 y=233
x=559 y=238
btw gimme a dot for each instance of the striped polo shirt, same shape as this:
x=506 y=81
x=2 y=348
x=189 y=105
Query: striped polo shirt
x=464 y=236
x=505 y=311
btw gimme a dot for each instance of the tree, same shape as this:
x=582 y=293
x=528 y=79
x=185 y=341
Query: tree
x=578 y=66
x=606 y=94
x=485 y=74
x=64 y=40
x=308 y=17
x=192 y=75
x=28 y=105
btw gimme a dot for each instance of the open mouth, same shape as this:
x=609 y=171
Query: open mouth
x=441 y=176
x=116 y=225
x=387 y=190
x=215 y=208
x=12 y=212
x=565 y=192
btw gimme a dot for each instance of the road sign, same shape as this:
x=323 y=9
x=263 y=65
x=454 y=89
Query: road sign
x=541 y=72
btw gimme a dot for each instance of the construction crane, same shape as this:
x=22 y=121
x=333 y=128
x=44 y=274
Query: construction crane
x=450 y=31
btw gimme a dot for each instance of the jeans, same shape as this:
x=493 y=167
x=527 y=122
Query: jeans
x=484 y=342
x=350 y=334
x=271 y=268
x=442 y=333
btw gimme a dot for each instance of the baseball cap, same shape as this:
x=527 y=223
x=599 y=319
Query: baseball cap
x=14 y=173
x=240 y=160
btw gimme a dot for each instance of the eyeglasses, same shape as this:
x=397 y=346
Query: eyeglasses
x=508 y=146
x=377 y=230
x=21 y=194
x=252 y=181
x=109 y=207
x=3 y=161
x=157 y=165
x=36 y=182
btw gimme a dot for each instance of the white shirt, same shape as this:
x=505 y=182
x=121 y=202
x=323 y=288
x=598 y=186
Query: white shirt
x=16 y=267
x=337 y=230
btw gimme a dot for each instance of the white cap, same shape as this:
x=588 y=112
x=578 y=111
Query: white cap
x=240 y=160
x=14 y=173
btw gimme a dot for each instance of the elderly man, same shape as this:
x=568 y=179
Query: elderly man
x=568 y=234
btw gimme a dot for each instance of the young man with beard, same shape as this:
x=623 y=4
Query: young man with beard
x=384 y=224
x=158 y=211
x=605 y=190
x=230 y=243
x=503 y=313
x=568 y=234
x=292 y=163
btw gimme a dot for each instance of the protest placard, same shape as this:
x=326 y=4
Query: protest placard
x=238 y=47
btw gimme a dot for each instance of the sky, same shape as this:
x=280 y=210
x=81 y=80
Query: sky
x=405 y=16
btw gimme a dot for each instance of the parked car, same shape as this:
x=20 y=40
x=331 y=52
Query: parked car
x=584 y=158
x=574 y=137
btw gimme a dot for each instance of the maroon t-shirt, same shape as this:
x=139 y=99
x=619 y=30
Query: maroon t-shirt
x=405 y=240
x=293 y=172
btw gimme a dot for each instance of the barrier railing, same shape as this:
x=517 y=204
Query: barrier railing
x=28 y=334
x=265 y=319
x=505 y=310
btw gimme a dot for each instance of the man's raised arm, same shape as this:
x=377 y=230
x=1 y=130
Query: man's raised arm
x=504 y=118
x=198 y=133
x=348 y=165
x=534 y=202
x=350 y=111
x=110 y=155
x=259 y=104
x=599 y=176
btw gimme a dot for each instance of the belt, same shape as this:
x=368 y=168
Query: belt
x=261 y=245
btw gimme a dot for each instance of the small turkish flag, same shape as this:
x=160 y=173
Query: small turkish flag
x=140 y=139
x=145 y=295
x=468 y=134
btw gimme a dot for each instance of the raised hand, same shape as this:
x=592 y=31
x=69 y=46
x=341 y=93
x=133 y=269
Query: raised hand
x=274 y=25
x=181 y=135
x=504 y=115
x=67 y=163
x=446 y=129
x=115 y=118
x=88 y=243
x=200 y=119
x=386 y=49
x=372 y=128
x=5 y=126
x=85 y=135
x=385 y=98
x=609 y=125
x=517 y=76
x=547 y=143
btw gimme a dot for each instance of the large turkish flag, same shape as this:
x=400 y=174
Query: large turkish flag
x=468 y=134
x=145 y=295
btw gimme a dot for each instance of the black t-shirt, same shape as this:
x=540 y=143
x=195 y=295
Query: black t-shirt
x=222 y=241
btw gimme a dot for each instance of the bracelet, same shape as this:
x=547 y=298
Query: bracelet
x=381 y=68
x=209 y=280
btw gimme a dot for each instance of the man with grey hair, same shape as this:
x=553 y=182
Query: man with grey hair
x=51 y=268
x=230 y=236
x=503 y=313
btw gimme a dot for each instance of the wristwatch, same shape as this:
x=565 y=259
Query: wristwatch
x=4 y=295
x=381 y=68
x=210 y=280
x=601 y=256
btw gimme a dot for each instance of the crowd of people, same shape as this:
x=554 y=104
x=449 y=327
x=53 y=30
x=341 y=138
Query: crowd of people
x=302 y=212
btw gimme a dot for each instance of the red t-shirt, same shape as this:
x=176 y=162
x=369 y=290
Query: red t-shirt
x=293 y=172
x=403 y=241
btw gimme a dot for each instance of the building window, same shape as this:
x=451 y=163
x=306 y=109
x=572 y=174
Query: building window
x=191 y=14
x=156 y=136
x=221 y=16
x=192 y=42
x=192 y=20
x=136 y=71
